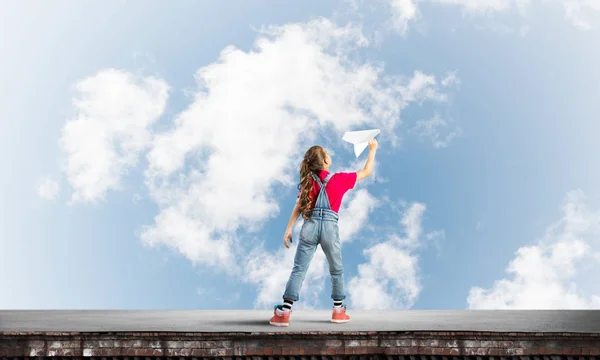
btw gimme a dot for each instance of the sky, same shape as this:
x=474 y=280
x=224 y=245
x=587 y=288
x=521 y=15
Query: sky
x=151 y=151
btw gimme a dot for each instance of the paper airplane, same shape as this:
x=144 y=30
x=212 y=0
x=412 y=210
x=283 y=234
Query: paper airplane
x=360 y=139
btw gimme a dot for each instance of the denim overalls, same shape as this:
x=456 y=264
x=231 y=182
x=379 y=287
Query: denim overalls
x=321 y=227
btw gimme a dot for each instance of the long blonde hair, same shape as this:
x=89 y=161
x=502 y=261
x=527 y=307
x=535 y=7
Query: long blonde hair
x=312 y=163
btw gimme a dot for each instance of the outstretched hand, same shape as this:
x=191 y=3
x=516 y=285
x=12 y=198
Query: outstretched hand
x=373 y=144
x=288 y=235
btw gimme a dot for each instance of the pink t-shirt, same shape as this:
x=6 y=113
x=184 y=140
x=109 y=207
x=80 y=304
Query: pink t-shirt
x=338 y=185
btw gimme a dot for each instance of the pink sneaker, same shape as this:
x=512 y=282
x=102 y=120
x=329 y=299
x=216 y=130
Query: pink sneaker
x=280 y=317
x=339 y=315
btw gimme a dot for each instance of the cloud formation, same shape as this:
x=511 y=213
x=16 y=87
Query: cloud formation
x=48 y=189
x=113 y=112
x=433 y=130
x=390 y=277
x=579 y=13
x=558 y=272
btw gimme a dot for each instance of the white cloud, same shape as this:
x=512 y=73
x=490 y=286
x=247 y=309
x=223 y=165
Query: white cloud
x=213 y=173
x=432 y=130
x=436 y=237
x=578 y=12
x=450 y=79
x=356 y=207
x=390 y=278
x=523 y=6
x=404 y=12
x=113 y=112
x=479 y=5
x=48 y=189
x=559 y=272
x=422 y=87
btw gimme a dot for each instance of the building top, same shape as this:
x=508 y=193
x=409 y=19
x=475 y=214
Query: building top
x=572 y=321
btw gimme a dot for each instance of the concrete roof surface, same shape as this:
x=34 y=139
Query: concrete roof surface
x=587 y=321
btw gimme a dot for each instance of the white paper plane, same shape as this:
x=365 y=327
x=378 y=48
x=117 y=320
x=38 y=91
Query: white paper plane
x=360 y=139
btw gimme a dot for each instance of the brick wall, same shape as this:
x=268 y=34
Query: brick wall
x=300 y=344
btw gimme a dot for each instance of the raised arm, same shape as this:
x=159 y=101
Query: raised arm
x=368 y=169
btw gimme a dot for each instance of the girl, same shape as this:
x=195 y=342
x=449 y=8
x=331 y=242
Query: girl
x=320 y=227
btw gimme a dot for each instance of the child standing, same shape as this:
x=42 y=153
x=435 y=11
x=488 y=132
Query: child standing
x=319 y=202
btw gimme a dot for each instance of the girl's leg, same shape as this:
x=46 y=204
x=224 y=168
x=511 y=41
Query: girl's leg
x=332 y=247
x=304 y=253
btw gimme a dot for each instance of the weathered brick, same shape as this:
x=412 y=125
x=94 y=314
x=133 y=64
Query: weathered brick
x=333 y=343
x=508 y=352
x=149 y=352
x=174 y=345
x=116 y=343
x=394 y=343
x=140 y=344
x=177 y=352
x=65 y=352
x=106 y=343
x=204 y=352
x=224 y=344
x=37 y=352
x=154 y=344
x=351 y=343
x=53 y=345
x=213 y=344
x=489 y=344
x=391 y=350
x=36 y=344
x=472 y=343
x=429 y=343
x=358 y=350
x=191 y=344
x=220 y=352
x=425 y=350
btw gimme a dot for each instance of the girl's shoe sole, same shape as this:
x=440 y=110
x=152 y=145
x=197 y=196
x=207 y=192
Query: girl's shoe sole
x=339 y=321
x=278 y=324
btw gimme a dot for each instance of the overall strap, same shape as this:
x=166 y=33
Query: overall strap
x=322 y=184
x=322 y=199
x=317 y=179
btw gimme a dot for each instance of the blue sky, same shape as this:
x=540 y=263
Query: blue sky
x=151 y=152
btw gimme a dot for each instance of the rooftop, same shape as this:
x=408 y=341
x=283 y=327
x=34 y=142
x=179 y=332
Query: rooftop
x=572 y=321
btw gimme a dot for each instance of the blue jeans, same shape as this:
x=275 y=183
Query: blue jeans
x=322 y=228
